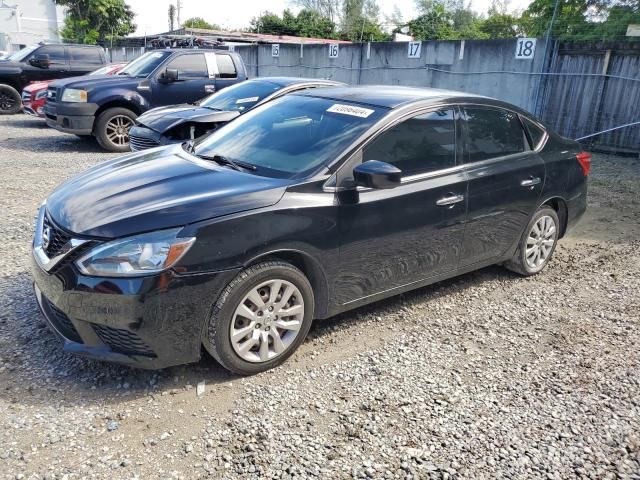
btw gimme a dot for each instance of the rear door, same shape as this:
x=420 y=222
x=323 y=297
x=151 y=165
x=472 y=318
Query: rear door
x=191 y=85
x=506 y=177
x=390 y=238
x=83 y=60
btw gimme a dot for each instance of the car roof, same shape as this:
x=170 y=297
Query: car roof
x=287 y=81
x=390 y=96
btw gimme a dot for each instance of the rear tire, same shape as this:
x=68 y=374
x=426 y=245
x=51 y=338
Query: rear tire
x=112 y=129
x=250 y=330
x=537 y=244
x=10 y=100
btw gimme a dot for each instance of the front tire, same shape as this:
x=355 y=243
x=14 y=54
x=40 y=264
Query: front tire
x=537 y=244
x=112 y=129
x=10 y=100
x=261 y=318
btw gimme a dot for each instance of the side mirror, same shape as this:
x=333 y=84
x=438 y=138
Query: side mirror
x=40 y=60
x=376 y=174
x=170 y=75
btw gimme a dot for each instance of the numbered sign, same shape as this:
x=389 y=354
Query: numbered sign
x=333 y=50
x=525 y=48
x=275 y=50
x=414 y=49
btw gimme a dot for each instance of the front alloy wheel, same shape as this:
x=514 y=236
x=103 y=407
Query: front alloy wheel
x=267 y=321
x=261 y=318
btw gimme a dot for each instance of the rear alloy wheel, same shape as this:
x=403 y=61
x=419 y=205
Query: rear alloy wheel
x=261 y=318
x=537 y=244
x=10 y=101
x=112 y=129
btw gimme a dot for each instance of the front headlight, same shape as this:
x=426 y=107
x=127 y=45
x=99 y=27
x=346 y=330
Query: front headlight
x=74 y=95
x=41 y=94
x=138 y=255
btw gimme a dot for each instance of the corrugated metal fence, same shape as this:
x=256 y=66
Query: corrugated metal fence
x=598 y=88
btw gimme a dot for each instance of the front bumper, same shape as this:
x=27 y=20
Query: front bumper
x=143 y=138
x=147 y=322
x=69 y=117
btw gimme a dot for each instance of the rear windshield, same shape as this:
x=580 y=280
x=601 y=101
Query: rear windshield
x=145 y=64
x=241 y=96
x=292 y=136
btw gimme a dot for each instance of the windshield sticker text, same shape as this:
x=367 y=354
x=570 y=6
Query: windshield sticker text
x=350 y=110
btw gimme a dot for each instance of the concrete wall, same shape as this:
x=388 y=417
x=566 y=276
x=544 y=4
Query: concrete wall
x=25 y=22
x=452 y=65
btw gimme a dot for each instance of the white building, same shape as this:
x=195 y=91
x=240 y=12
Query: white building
x=25 y=22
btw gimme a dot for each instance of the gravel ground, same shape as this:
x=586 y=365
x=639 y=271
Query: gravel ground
x=487 y=375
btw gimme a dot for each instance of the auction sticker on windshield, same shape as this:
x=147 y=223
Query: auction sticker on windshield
x=350 y=110
x=247 y=100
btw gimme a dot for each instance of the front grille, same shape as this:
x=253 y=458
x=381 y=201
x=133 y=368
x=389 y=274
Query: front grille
x=123 y=341
x=141 y=143
x=60 y=320
x=26 y=96
x=57 y=238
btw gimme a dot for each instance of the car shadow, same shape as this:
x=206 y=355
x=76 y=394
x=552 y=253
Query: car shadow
x=37 y=371
x=57 y=142
x=25 y=121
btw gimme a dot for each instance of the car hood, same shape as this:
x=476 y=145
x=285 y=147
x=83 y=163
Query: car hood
x=90 y=82
x=35 y=86
x=164 y=119
x=160 y=188
x=9 y=66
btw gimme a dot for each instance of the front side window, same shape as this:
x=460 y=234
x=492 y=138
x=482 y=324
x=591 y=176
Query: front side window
x=493 y=133
x=226 y=68
x=22 y=54
x=142 y=66
x=190 y=66
x=55 y=52
x=241 y=96
x=421 y=144
x=292 y=136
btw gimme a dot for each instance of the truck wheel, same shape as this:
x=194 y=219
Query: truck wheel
x=112 y=129
x=10 y=101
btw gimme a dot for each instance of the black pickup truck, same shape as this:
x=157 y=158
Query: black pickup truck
x=44 y=62
x=106 y=107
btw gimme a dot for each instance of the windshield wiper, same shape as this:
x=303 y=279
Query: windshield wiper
x=235 y=164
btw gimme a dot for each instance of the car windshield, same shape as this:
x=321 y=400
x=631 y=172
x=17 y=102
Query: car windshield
x=292 y=136
x=241 y=96
x=145 y=64
x=22 y=54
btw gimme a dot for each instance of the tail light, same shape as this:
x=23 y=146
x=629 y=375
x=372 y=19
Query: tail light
x=584 y=159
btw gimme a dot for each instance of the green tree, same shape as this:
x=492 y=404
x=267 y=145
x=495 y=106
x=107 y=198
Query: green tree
x=88 y=21
x=199 y=22
x=360 y=21
x=501 y=25
x=312 y=24
x=308 y=23
x=434 y=23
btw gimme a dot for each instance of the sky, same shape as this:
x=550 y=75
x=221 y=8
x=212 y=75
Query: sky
x=151 y=15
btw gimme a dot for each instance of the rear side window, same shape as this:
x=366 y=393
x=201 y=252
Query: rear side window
x=421 y=144
x=493 y=133
x=536 y=133
x=226 y=68
x=87 y=56
x=190 y=66
x=55 y=52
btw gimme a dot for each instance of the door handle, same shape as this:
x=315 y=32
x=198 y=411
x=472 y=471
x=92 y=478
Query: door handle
x=530 y=182
x=450 y=200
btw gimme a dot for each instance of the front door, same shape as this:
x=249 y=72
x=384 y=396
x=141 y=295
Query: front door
x=505 y=181
x=390 y=238
x=58 y=64
x=192 y=84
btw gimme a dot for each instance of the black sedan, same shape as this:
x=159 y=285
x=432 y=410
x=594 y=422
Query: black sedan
x=177 y=123
x=312 y=204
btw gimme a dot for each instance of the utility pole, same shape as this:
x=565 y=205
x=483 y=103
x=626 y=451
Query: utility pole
x=179 y=8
